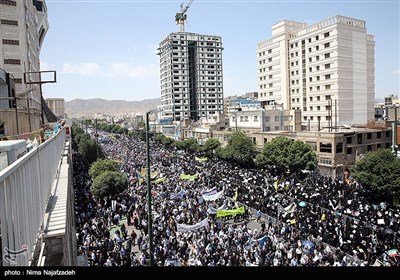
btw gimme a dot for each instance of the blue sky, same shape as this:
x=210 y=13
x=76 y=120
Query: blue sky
x=107 y=49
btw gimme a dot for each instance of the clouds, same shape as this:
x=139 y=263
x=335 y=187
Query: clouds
x=116 y=70
x=121 y=70
x=85 y=69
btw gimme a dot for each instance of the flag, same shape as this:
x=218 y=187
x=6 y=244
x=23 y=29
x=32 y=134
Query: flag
x=201 y=159
x=188 y=177
x=160 y=180
x=323 y=217
x=212 y=197
x=292 y=222
x=230 y=212
x=392 y=253
x=236 y=195
x=276 y=185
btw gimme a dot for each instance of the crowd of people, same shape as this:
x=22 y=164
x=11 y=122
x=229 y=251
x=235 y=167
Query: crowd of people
x=308 y=221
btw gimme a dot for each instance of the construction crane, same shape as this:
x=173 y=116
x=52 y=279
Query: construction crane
x=180 y=17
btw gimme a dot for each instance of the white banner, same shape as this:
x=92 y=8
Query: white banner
x=186 y=228
x=213 y=197
x=212 y=210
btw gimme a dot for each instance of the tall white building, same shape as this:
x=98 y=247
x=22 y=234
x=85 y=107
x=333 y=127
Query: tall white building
x=23 y=26
x=325 y=69
x=191 y=76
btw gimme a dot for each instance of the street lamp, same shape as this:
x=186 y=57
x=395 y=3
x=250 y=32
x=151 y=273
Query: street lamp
x=149 y=214
x=394 y=147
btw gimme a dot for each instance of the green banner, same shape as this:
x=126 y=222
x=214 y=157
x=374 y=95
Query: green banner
x=201 y=159
x=160 y=180
x=223 y=213
x=188 y=177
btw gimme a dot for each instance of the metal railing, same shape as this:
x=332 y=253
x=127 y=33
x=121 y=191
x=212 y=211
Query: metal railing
x=25 y=188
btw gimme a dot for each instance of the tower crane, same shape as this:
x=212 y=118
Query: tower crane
x=180 y=17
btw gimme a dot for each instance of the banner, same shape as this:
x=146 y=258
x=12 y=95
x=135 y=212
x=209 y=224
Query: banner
x=188 y=177
x=287 y=210
x=153 y=174
x=212 y=210
x=261 y=240
x=201 y=159
x=223 y=213
x=209 y=191
x=276 y=185
x=213 y=197
x=186 y=228
x=178 y=195
x=160 y=180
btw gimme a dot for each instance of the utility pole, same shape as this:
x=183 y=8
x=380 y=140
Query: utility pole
x=394 y=147
x=149 y=213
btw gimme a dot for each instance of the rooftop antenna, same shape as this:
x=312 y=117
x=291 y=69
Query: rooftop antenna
x=180 y=17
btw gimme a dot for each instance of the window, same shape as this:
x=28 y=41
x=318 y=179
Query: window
x=359 y=138
x=309 y=49
x=387 y=134
x=277 y=118
x=267 y=118
x=270 y=51
x=378 y=135
x=276 y=127
x=270 y=68
x=255 y=119
x=318 y=98
x=325 y=148
x=317 y=58
x=327 y=76
x=318 y=108
x=9 y=22
x=327 y=87
x=270 y=85
x=327 y=66
x=310 y=98
x=369 y=135
x=349 y=140
x=316 y=48
x=327 y=97
x=316 y=38
x=270 y=59
x=349 y=151
x=327 y=55
x=369 y=148
x=326 y=34
x=339 y=148
x=310 y=69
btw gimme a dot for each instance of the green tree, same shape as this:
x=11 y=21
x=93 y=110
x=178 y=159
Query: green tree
x=379 y=170
x=190 y=145
x=90 y=150
x=141 y=124
x=286 y=155
x=211 y=145
x=76 y=130
x=109 y=183
x=102 y=165
x=239 y=149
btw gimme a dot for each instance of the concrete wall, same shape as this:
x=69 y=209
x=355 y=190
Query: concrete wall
x=10 y=118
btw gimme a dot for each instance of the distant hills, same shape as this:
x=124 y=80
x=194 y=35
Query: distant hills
x=88 y=107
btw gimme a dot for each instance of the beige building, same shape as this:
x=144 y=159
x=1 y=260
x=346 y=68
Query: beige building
x=57 y=105
x=23 y=26
x=335 y=150
x=326 y=70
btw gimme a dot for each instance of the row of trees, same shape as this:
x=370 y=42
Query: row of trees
x=87 y=147
x=379 y=170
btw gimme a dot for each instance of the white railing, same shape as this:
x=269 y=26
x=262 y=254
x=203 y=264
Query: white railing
x=24 y=191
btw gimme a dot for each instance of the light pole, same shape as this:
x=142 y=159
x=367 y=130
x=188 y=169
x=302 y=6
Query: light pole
x=149 y=221
x=394 y=147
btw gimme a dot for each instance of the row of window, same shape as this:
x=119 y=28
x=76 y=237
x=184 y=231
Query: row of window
x=8 y=2
x=12 y=61
x=9 y=22
x=10 y=42
x=295 y=45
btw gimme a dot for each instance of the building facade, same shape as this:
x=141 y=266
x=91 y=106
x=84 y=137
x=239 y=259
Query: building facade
x=191 y=76
x=23 y=28
x=57 y=105
x=326 y=70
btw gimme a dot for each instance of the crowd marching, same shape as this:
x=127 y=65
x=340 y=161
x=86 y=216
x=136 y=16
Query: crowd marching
x=199 y=218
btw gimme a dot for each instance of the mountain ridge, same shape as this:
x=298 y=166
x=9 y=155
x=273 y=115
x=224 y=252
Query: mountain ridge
x=88 y=107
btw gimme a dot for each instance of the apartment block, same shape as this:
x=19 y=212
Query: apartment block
x=326 y=70
x=191 y=76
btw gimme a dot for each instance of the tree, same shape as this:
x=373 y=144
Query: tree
x=239 y=149
x=189 y=145
x=141 y=124
x=286 y=155
x=379 y=171
x=109 y=183
x=90 y=150
x=102 y=165
x=211 y=145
